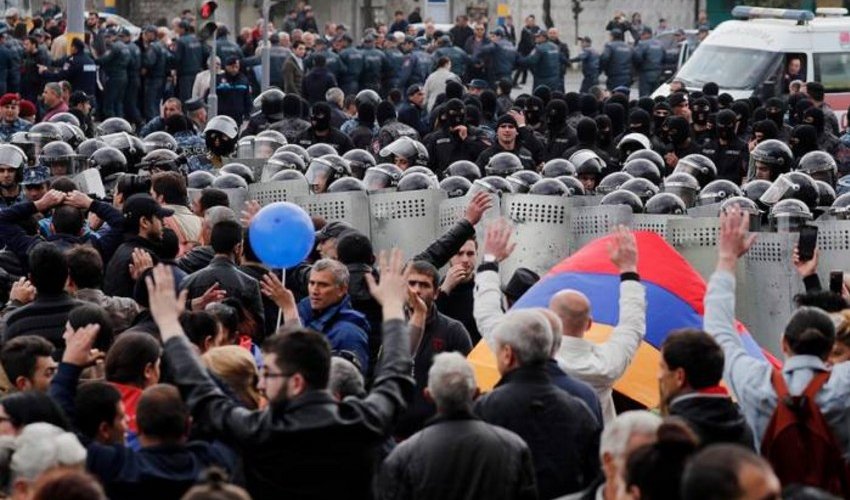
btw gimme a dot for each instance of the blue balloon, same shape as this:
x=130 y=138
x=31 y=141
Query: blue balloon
x=282 y=235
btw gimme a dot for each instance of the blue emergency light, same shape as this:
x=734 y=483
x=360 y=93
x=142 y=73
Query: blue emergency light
x=746 y=12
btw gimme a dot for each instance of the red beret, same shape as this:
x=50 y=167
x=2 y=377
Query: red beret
x=27 y=108
x=9 y=98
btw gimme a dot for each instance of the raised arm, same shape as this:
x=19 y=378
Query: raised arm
x=445 y=247
x=487 y=299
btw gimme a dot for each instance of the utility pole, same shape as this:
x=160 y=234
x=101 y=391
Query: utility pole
x=76 y=22
x=266 y=54
x=208 y=12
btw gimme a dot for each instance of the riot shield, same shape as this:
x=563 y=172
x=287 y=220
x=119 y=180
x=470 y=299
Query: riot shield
x=350 y=207
x=656 y=223
x=90 y=183
x=833 y=247
x=408 y=220
x=236 y=198
x=274 y=191
x=541 y=232
x=696 y=240
x=590 y=222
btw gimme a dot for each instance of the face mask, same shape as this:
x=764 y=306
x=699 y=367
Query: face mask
x=700 y=116
x=604 y=137
x=454 y=118
x=321 y=122
x=659 y=120
x=726 y=132
x=775 y=115
x=532 y=115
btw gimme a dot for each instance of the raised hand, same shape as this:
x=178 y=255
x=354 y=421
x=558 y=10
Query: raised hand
x=623 y=250
x=497 y=240
x=479 y=204
x=165 y=306
x=78 y=345
x=273 y=288
x=735 y=239
x=50 y=199
x=213 y=294
x=78 y=199
x=807 y=267
x=23 y=291
x=141 y=262
x=391 y=292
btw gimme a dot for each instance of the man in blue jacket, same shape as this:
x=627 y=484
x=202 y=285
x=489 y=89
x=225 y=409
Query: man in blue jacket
x=327 y=309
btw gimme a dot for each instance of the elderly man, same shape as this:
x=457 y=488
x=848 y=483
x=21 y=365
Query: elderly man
x=559 y=429
x=456 y=445
x=327 y=309
x=53 y=102
x=601 y=365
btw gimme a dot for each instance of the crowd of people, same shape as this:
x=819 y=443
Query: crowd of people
x=148 y=351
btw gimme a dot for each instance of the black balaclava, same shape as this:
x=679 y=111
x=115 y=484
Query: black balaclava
x=700 y=109
x=742 y=112
x=618 y=98
x=754 y=101
x=767 y=128
x=572 y=99
x=814 y=117
x=556 y=114
x=658 y=120
x=455 y=112
x=677 y=130
x=489 y=104
x=473 y=115
x=544 y=93
x=711 y=89
x=804 y=138
x=454 y=90
x=321 y=116
x=617 y=115
x=799 y=109
x=759 y=114
x=586 y=131
x=587 y=105
x=385 y=112
x=366 y=114
x=775 y=109
x=534 y=111
x=646 y=103
x=605 y=131
x=640 y=122
x=291 y=106
x=724 y=100
x=725 y=123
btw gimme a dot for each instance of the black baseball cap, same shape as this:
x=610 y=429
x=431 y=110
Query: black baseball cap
x=332 y=230
x=78 y=97
x=142 y=205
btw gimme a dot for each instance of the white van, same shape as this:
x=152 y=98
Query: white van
x=752 y=56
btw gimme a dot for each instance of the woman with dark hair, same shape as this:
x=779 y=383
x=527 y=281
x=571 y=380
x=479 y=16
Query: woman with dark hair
x=22 y=408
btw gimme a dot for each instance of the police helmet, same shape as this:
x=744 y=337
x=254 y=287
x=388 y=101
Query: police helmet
x=295 y=148
x=683 y=185
x=665 y=204
x=643 y=188
x=320 y=149
x=359 y=160
x=840 y=208
x=622 y=197
x=644 y=169
x=820 y=165
x=775 y=155
x=792 y=185
x=229 y=181
x=220 y=135
x=648 y=154
x=89 y=146
x=14 y=157
x=826 y=195
x=61 y=158
x=630 y=143
x=523 y=180
x=70 y=133
x=200 y=179
x=422 y=170
x=718 y=190
x=383 y=176
x=492 y=184
x=367 y=95
x=557 y=167
x=284 y=160
x=549 y=187
x=267 y=142
x=411 y=150
x=323 y=171
x=455 y=186
x=701 y=167
x=161 y=160
x=574 y=186
x=587 y=162
x=65 y=118
x=245 y=146
x=503 y=164
x=743 y=203
x=464 y=168
x=346 y=184
x=789 y=215
x=130 y=146
x=240 y=169
x=417 y=181
x=108 y=161
x=270 y=103
x=290 y=175
x=612 y=182
x=159 y=140
x=755 y=189
x=114 y=125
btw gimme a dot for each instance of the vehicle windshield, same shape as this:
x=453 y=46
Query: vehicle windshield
x=731 y=68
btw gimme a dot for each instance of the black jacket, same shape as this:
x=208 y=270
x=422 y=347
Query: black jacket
x=559 y=429
x=459 y=457
x=315 y=83
x=236 y=283
x=445 y=147
x=311 y=447
x=196 y=259
x=458 y=305
x=363 y=302
x=117 y=280
x=257 y=271
x=714 y=417
x=341 y=142
x=45 y=316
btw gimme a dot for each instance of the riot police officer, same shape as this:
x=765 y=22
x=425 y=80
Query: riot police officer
x=728 y=152
x=188 y=60
x=648 y=58
x=454 y=140
x=507 y=142
x=155 y=67
x=12 y=164
x=134 y=75
x=503 y=56
x=459 y=58
x=114 y=64
x=374 y=65
x=589 y=60
x=225 y=48
x=395 y=60
x=79 y=70
x=616 y=61
x=545 y=63
x=352 y=59
x=321 y=131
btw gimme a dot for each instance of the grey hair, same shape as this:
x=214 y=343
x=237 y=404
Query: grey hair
x=345 y=379
x=334 y=94
x=337 y=268
x=617 y=433
x=41 y=447
x=556 y=326
x=451 y=381
x=528 y=333
x=54 y=87
x=214 y=215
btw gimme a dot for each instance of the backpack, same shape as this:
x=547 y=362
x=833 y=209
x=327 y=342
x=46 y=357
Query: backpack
x=799 y=444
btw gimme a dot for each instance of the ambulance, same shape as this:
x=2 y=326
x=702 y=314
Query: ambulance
x=763 y=49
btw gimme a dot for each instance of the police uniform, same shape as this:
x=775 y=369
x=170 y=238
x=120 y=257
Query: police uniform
x=339 y=141
x=193 y=147
x=349 y=79
x=80 y=71
x=730 y=159
x=545 y=64
x=648 y=58
x=189 y=60
x=589 y=60
x=446 y=147
x=375 y=64
x=156 y=62
x=114 y=64
x=7 y=129
x=134 y=83
x=616 y=60
x=520 y=152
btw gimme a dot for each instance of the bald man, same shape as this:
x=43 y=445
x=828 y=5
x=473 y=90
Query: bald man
x=602 y=365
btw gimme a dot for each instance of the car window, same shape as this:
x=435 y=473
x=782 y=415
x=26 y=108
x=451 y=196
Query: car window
x=831 y=70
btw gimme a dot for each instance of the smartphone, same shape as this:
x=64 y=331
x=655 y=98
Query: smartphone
x=836 y=282
x=807 y=243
